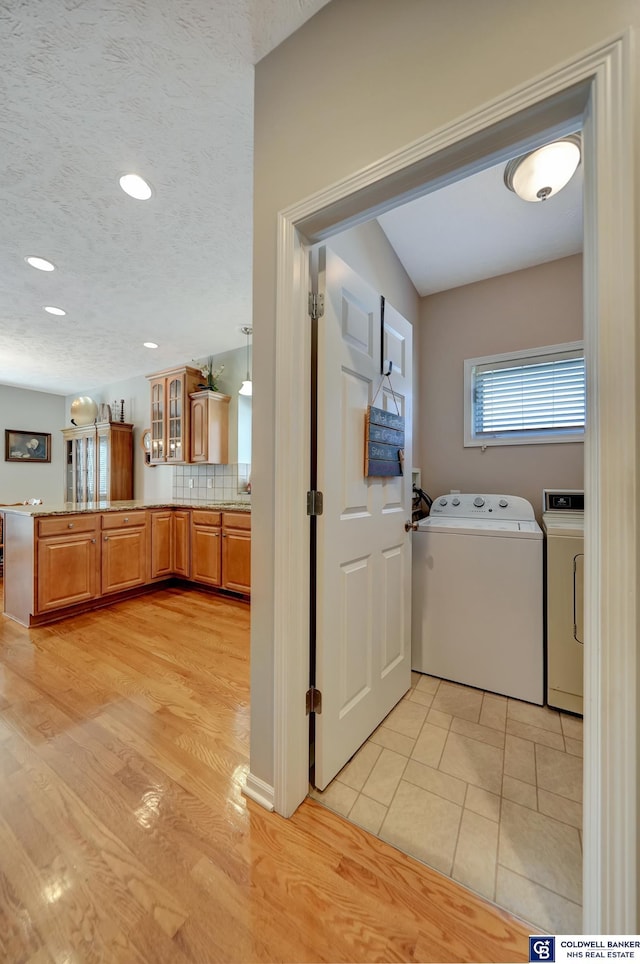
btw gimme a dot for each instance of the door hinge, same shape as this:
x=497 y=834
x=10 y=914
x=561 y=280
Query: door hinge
x=314 y=700
x=314 y=502
x=316 y=305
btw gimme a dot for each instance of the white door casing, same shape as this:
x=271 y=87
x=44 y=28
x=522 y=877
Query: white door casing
x=596 y=86
x=363 y=642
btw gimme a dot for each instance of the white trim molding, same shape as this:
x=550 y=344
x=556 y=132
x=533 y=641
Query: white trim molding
x=259 y=791
x=596 y=89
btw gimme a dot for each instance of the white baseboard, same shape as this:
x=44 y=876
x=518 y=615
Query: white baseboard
x=256 y=789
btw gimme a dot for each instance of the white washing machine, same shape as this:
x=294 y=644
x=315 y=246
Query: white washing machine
x=477 y=595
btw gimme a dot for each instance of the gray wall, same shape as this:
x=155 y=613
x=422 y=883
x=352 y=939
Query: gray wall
x=24 y=410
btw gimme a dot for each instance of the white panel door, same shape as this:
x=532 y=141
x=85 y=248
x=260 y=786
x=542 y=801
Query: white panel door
x=363 y=629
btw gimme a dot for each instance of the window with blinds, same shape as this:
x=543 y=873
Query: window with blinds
x=530 y=396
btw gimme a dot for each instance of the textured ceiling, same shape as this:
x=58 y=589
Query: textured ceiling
x=92 y=89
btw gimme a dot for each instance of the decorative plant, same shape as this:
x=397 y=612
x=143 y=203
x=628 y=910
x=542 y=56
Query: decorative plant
x=210 y=374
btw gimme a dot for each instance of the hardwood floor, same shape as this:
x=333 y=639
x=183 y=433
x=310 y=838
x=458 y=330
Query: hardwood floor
x=124 y=834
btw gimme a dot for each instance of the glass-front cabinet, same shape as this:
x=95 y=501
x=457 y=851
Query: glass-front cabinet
x=170 y=413
x=99 y=462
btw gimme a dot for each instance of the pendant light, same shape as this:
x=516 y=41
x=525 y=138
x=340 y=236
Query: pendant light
x=545 y=171
x=246 y=388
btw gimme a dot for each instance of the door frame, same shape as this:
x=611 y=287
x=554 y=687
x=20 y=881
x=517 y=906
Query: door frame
x=595 y=88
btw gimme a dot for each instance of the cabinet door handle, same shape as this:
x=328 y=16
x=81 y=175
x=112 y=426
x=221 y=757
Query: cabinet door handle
x=70 y=525
x=106 y=538
x=93 y=540
x=127 y=519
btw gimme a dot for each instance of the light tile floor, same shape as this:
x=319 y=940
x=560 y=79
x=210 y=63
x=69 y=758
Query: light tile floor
x=485 y=789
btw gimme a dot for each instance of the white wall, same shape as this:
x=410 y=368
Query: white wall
x=24 y=410
x=158 y=483
x=361 y=79
x=525 y=309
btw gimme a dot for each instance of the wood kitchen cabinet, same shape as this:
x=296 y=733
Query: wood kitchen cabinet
x=125 y=558
x=206 y=554
x=170 y=539
x=66 y=561
x=171 y=414
x=99 y=462
x=236 y=551
x=209 y=427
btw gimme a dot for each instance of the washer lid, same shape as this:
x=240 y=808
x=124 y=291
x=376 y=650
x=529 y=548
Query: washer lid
x=481 y=527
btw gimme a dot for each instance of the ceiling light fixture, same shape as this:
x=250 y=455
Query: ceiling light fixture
x=136 y=187
x=542 y=173
x=40 y=263
x=149 y=344
x=246 y=388
x=53 y=310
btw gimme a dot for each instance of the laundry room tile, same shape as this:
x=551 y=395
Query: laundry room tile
x=519 y=792
x=355 y=773
x=536 y=734
x=406 y=718
x=519 y=759
x=436 y=781
x=485 y=734
x=475 y=762
x=385 y=776
x=337 y=796
x=428 y=684
x=368 y=813
x=572 y=726
x=458 y=700
x=542 y=849
x=415 y=677
x=474 y=863
x=424 y=825
x=439 y=719
x=548 y=912
x=482 y=802
x=560 y=808
x=429 y=745
x=392 y=740
x=494 y=711
x=559 y=773
x=574 y=747
x=419 y=696
x=541 y=716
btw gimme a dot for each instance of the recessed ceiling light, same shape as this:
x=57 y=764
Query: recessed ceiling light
x=150 y=344
x=40 y=263
x=135 y=186
x=54 y=311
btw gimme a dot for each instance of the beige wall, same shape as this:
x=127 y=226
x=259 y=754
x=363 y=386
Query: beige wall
x=525 y=309
x=361 y=79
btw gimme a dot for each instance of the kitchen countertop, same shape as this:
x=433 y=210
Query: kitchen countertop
x=72 y=508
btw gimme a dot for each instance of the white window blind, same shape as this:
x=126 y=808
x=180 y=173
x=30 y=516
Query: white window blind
x=529 y=396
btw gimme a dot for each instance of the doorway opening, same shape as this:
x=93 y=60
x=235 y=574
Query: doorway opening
x=593 y=85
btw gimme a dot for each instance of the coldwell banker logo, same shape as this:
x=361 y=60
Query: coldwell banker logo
x=542 y=949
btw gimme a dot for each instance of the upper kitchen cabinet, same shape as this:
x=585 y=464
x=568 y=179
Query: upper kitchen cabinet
x=209 y=427
x=98 y=462
x=171 y=414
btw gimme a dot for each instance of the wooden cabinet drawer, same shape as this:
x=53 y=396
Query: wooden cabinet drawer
x=121 y=520
x=65 y=524
x=205 y=517
x=236 y=520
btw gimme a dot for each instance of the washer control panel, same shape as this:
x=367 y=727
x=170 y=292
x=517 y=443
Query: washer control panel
x=469 y=505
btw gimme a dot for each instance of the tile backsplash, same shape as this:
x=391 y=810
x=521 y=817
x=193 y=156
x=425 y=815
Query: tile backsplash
x=211 y=483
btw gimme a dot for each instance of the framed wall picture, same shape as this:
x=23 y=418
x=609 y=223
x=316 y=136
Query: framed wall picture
x=26 y=446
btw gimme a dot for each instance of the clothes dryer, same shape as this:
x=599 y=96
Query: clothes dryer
x=477 y=595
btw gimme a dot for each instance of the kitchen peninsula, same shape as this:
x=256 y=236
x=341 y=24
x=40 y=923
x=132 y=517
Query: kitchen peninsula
x=67 y=559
